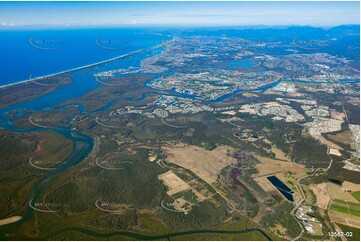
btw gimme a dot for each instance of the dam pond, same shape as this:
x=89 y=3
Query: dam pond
x=282 y=188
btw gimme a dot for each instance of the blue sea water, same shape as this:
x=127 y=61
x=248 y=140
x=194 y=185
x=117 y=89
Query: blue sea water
x=44 y=52
x=83 y=82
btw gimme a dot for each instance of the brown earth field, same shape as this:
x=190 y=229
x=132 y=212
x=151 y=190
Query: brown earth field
x=344 y=137
x=336 y=192
x=351 y=186
x=346 y=219
x=204 y=163
x=322 y=196
x=269 y=167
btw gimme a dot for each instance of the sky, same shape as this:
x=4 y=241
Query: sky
x=179 y=13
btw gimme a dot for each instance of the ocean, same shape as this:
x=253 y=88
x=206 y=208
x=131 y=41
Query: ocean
x=34 y=53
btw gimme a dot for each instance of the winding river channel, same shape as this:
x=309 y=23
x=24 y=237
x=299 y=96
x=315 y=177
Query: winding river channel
x=82 y=147
x=82 y=144
x=84 y=82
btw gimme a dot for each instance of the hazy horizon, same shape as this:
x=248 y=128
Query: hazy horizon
x=176 y=14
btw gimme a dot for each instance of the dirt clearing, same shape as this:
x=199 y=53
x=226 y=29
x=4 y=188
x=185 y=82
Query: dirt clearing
x=206 y=164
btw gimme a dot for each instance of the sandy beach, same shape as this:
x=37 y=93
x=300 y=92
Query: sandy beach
x=10 y=220
x=81 y=67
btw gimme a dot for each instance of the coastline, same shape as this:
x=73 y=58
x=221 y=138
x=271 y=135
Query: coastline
x=79 y=68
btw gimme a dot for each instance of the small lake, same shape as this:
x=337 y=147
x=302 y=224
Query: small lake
x=240 y=63
x=282 y=188
x=335 y=181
